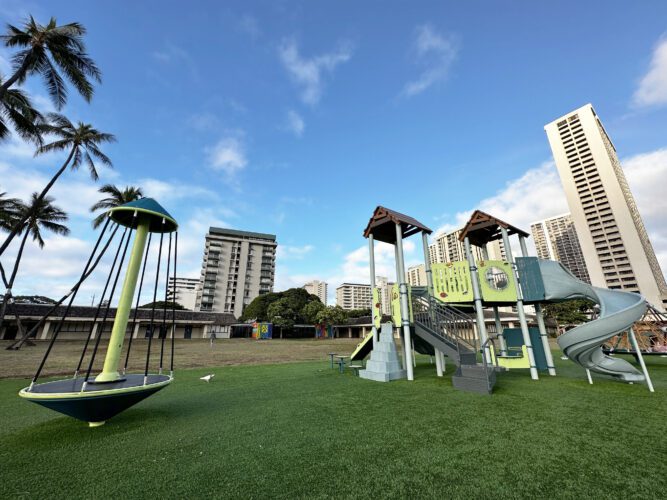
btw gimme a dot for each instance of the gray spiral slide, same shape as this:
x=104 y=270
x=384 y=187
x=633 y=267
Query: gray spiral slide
x=618 y=312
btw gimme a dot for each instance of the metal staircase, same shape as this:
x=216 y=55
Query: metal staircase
x=453 y=332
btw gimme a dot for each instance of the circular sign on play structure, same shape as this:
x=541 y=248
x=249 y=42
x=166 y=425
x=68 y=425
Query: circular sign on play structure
x=496 y=278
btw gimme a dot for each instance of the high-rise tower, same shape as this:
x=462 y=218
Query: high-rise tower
x=238 y=266
x=556 y=239
x=613 y=238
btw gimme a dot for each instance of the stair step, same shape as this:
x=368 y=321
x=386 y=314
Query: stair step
x=478 y=385
x=476 y=371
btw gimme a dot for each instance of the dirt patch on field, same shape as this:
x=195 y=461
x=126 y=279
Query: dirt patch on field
x=187 y=354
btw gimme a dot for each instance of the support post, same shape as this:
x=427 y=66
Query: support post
x=545 y=340
x=371 y=260
x=45 y=330
x=477 y=296
x=519 y=306
x=633 y=339
x=110 y=369
x=499 y=331
x=405 y=308
x=438 y=363
x=431 y=293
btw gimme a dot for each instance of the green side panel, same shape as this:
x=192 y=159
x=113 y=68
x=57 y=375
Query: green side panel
x=496 y=281
x=396 y=305
x=532 y=283
x=451 y=282
x=377 y=308
x=514 y=338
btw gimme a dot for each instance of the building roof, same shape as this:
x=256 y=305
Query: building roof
x=241 y=234
x=382 y=225
x=483 y=228
x=88 y=312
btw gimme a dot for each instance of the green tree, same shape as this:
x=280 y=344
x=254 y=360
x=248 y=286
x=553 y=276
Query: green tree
x=51 y=51
x=332 y=315
x=17 y=111
x=282 y=313
x=572 y=312
x=116 y=197
x=358 y=313
x=39 y=214
x=296 y=298
x=258 y=308
x=8 y=211
x=160 y=304
x=311 y=310
x=83 y=143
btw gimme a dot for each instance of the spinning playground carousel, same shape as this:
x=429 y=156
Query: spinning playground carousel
x=94 y=398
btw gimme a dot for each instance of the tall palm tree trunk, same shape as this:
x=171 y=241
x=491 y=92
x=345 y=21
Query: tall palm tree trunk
x=8 y=292
x=19 y=224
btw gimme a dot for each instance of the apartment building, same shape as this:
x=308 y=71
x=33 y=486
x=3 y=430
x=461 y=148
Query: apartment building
x=556 y=239
x=185 y=291
x=448 y=248
x=416 y=275
x=353 y=296
x=238 y=266
x=614 y=241
x=319 y=288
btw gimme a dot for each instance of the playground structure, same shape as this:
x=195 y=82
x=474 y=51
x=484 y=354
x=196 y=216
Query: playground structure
x=435 y=319
x=95 y=399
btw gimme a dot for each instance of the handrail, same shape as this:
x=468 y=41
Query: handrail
x=447 y=322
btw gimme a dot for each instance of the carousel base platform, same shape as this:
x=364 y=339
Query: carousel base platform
x=100 y=401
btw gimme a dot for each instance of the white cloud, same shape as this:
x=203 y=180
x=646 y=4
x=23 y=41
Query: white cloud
x=652 y=90
x=228 y=156
x=162 y=190
x=307 y=73
x=435 y=53
x=646 y=174
x=538 y=194
x=535 y=195
x=295 y=123
x=53 y=270
x=286 y=252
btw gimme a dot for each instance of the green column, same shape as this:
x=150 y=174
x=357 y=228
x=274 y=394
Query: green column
x=110 y=370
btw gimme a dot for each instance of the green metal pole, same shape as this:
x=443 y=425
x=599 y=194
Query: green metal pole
x=110 y=370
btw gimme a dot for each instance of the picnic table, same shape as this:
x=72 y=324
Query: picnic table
x=331 y=355
x=341 y=362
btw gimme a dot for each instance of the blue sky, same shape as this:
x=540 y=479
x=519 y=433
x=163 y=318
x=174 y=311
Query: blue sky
x=298 y=118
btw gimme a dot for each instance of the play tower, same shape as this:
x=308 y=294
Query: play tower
x=447 y=317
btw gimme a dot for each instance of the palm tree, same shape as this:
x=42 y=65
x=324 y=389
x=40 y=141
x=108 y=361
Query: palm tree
x=47 y=49
x=115 y=199
x=39 y=214
x=8 y=209
x=83 y=143
x=17 y=111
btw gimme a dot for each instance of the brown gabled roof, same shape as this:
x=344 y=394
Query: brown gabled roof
x=382 y=225
x=482 y=228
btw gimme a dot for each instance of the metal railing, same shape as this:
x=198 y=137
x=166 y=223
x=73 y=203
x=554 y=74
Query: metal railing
x=454 y=326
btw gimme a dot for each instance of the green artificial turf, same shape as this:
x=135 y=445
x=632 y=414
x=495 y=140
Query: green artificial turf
x=303 y=430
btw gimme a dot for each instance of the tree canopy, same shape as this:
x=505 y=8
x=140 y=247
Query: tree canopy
x=159 y=304
x=296 y=306
x=571 y=312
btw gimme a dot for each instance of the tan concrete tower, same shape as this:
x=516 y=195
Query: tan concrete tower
x=613 y=238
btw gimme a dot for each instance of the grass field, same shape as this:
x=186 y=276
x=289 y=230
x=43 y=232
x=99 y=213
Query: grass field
x=302 y=430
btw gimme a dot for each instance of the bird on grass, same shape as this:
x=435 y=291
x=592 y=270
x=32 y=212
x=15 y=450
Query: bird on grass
x=207 y=377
